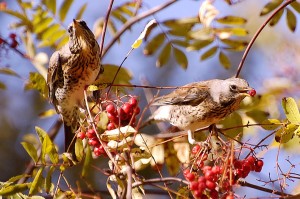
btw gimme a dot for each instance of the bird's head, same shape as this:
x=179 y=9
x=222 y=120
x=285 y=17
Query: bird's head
x=230 y=90
x=81 y=37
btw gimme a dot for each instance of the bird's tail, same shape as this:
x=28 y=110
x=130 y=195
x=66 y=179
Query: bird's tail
x=70 y=140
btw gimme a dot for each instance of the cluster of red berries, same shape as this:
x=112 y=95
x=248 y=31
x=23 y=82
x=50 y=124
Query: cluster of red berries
x=210 y=182
x=13 y=41
x=93 y=141
x=243 y=167
x=124 y=115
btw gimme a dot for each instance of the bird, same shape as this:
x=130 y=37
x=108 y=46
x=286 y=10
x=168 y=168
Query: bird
x=71 y=69
x=200 y=104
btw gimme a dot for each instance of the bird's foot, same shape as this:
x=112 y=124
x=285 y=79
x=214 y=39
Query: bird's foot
x=191 y=139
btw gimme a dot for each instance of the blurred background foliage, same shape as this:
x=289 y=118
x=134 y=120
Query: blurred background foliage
x=191 y=42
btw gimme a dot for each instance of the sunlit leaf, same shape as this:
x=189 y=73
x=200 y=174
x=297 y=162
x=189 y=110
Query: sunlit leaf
x=199 y=44
x=177 y=23
x=296 y=6
x=241 y=32
x=202 y=34
x=13 y=189
x=291 y=110
x=51 y=5
x=47 y=113
x=63 y=10
x=31 y=150
x=180 y=57
x=8 y=71
x=285 y=134
x=37 y=182
x=224 y=60
x=291 y=20
x=184 y=43
x=87 y=161
x=232 y=20
x=19 y=15
x=171 y=159
x=209 y=53
x=238 y=44
x=16 y=178
x=276 y=18
x=154 y=44
x=164 y=56
x=269 y=7
x=43 y=25
x=144 y=33
x=119 y=16
x=79 y=149
x=48 y=179
x=270 y=124
x=81 y=11
x=37 y=82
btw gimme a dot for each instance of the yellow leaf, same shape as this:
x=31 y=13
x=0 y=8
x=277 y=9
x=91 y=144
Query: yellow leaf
x=291 y=110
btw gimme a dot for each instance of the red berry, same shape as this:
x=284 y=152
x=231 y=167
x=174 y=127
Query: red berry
x=237 y=164
x=197 y=194
x=190 y=177
x=185 y=172
x=133 y=101
x=81 y=135
x=137 y=110
x=1 y=40
x=201 y=186
x=12 y=35
x=214 y=194
x=201 y=179
x=230 y=196
x=199 y=163
x=252 y=92
x=110 y=126
x=127 y=108
x=225 y=185
x=94 y=142
x=14 y=44
x=113 y=118
x=210 y=185
x=251 y=159
x=110 y=109
x=204 y=197
x=196 y=149
x=216 y=170
x=99 y=150
x=206 y=168
x=259 y=165
x=90 y=133
x=122 y=114
x=209 y=175
x=194 y=185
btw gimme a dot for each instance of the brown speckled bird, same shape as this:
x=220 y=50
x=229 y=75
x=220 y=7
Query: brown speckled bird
x=71 y=69
x=200 y=104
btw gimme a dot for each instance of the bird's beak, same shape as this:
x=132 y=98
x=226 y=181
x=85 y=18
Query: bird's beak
x=245 y=91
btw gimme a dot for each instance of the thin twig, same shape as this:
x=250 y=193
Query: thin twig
x=156 y=180
x=257 y=33
x=132 y=21
x=105 y=26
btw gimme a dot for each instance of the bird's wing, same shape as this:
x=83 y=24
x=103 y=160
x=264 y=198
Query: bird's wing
x=191 y=94
x=54 y=71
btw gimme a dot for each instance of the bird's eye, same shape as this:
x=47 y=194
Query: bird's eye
x=233 y=87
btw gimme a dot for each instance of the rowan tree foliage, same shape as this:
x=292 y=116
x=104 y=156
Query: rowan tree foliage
x=111 y=140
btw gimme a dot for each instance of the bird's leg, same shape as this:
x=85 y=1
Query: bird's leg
x=191 y=139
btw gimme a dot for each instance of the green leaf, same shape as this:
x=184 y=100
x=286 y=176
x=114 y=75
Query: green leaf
x=31 y=150
x=22 y=17
x=291 y=20
x=16 y=178
x=43 y=25
x=2 y=86
x=13 y=189
x=177 y=23
x=47 y=113
x=285 y=134
x=236 y=44
x=37 y=82
x=79 y=149
x=199 y=44
x=202 y=34
x=180 y=58
x=48 y=179
x=119 y=16
x=154 y=44
x=37 y=182
x=51 y=5
x=8 y=71
x=233 y=120
x=164 y=56
x=81 y=11
x=296 y=6
x=209 y=53
x=87 y=162
x=257 y=115
x=224 y=60
x=291 y=110
x=232 y=20
x=63 y=11
x=181 y=43
x=269 y=7
x=271 y=124
x=276 y=18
